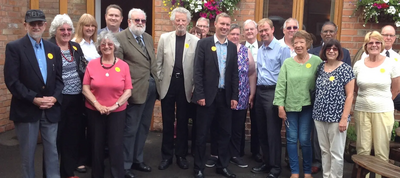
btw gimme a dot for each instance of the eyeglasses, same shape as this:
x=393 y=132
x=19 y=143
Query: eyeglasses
x=140 y=20
x=66 y=29
x=376 y=43
x=388 y=35
x=292 y=27
x=334 y=49
x=33 y=24
x=202 y=26
x=105 y=44
x=328 y=31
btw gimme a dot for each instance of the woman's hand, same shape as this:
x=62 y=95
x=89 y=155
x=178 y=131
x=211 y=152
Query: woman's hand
x=282 y=113
x=251 y=101
x=111 y=108
x=102 y=109
x=343 y=124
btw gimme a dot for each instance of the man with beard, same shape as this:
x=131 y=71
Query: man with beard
x=204 y=25
x=113 y=19
x=216 y=93
x=175 y=56
x=389 y=36
x=137 y=50
x=290 y=27
x=32 y=73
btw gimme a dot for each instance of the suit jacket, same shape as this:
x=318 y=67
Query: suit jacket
x=139 y=65
x=166 y=62
x=25 y=82
x=259 y=43
x=346 y=54
x=206 y=72
x=105 y=28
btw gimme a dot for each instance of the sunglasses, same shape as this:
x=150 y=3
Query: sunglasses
x=202 y=26
x=138 y=20
x=376 y=42
x=66 y=29
x=291 y=27
x=105 y=44
x=334 y=49
x=33 y=24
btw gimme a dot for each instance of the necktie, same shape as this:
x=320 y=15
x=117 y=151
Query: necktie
x=139 y=40
x=387 y=54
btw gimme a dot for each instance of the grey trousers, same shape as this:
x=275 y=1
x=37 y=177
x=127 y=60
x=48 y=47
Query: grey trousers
x=27 y=133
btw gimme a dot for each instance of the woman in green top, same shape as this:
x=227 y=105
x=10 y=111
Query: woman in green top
x=292 y=96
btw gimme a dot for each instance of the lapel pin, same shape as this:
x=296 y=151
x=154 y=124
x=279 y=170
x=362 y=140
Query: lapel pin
x=213 y=48
x=50 y=56
x=76 y=49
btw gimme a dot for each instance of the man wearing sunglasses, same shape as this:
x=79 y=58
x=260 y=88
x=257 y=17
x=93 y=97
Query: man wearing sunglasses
x=290 y=27
x=389 y=36
x=32 y=73
x=136 y=49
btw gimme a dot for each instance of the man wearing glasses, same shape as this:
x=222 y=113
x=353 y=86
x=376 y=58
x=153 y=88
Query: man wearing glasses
x=204 y=25
x=389 y=36
x=290 y=27
x=32 y=73
x=137 y=50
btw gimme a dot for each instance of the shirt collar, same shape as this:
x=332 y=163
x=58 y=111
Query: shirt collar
x=254 y=44
x=85 y=42
x=119 y=29
x=33 y=41
x=141 y=36
x=271 y=45
x=216 y=40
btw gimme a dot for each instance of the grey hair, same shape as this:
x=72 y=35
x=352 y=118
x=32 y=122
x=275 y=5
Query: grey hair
x=59 y=20
x=181 y=10
x=235 y=26
x=203 y=19
x=288 y=20
x=249 y=21
x=136 y=10
x=106 y=35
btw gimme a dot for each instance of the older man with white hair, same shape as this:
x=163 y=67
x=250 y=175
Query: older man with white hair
x=290 y=27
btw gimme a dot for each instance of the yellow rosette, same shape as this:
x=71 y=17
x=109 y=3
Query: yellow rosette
x=117 y=69
x=76 y=49
x=396 y=59
x=308 y=65
x=332 y=78
x=50 y=56
x=213 y=48
x=186 y=45
x=382 y=70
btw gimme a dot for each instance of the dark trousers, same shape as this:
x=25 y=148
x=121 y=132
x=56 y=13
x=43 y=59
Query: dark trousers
x=238 y=121
x=269 y=129
x=221 y=112
x=107 y=129
x=85 y=154
x=175 y=95
x=69 y=134
x=254 y=140
x=193 y=114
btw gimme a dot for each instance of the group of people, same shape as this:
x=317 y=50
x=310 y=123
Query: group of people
x=95 y=93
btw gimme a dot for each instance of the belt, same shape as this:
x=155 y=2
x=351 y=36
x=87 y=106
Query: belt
x=266 y=87
x=221 y=89
x=177 y=75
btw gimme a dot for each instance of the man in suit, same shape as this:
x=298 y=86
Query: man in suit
x=137 y=50
x=250 y=34
x=328 y=31
x=113 y=19
x=175 y=60
x=216 y=93
x=270 y=58
x=290 y=27
x=389 y=36
x=32 y=73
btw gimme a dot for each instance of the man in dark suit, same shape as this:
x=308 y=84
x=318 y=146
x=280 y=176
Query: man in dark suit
x=136 y=49
x=32 y=73
x=113 y=19
x=328 y=31
x=216 y=93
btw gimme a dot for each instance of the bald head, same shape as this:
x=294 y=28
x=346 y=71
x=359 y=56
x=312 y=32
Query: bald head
x=389 y=36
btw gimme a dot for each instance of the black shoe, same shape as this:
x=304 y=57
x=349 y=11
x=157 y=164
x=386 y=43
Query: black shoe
x=165 y=164
x=257 y=157
x=272 y=176
x=211 y=161
x=198 y=174
x=129 y=174
x=225 y=172
x=261 y=169
x=182 y=162
x=81 y=170
x=239 y=162
x=141 y=167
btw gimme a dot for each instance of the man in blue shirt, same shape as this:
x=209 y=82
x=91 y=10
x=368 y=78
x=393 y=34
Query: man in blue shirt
x=270 y=58
x=32 y=73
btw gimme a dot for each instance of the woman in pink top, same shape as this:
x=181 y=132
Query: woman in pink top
x=107 y=86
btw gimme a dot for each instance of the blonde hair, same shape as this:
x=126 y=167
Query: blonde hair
x=86 y=19
x=376 y=35
x=266 y=20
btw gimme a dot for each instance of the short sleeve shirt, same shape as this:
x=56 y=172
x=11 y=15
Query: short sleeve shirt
x=331 y=94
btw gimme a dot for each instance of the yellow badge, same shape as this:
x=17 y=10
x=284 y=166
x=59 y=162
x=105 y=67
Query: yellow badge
x=396 y=59
x=213 y=48
x=117 y=69
x=76 y=49
x=308 y=65
x=50 y=56
x=332 y=78
x=382 y=70
x=186 y=45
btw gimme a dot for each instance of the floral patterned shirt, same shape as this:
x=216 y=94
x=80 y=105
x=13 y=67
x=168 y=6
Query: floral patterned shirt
x=244 y=84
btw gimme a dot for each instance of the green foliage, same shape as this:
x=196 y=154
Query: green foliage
x=372 y=10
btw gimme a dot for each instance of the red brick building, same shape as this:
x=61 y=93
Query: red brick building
x=310 y=13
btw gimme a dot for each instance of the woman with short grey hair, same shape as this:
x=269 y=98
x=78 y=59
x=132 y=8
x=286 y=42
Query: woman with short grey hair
x=106 y=35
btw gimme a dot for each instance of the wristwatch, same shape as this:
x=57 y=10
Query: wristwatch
x=117 y=104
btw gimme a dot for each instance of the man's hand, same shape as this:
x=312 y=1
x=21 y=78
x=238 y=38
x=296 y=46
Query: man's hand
x=233 y=104
x=44 y=103
x=201 y=102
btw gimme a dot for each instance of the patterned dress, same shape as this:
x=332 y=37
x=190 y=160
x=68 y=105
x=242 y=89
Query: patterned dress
x=331 y=94
x=244 y=84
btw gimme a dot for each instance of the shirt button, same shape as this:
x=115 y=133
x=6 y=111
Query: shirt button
x=43 y=87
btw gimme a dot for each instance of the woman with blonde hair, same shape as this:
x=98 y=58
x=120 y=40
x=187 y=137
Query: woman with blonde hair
x=86 y=36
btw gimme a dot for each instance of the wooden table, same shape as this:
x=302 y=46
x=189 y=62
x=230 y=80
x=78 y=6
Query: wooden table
x=363 y=164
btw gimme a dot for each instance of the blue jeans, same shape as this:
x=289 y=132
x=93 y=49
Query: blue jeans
x=298 y=127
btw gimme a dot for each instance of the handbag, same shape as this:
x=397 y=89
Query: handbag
x=313 y=91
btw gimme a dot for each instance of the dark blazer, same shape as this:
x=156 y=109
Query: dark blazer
x=77 y=54
x=25 y=82
x=259 y=43
x=346 y=54
x=206 y=72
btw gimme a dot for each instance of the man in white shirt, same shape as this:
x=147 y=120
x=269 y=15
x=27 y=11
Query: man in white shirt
x=290 y=27
x=389 y=36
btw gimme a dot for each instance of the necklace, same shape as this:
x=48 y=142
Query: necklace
x=104 y=67
x=72 y=57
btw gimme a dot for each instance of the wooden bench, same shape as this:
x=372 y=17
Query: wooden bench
x=363 y=164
